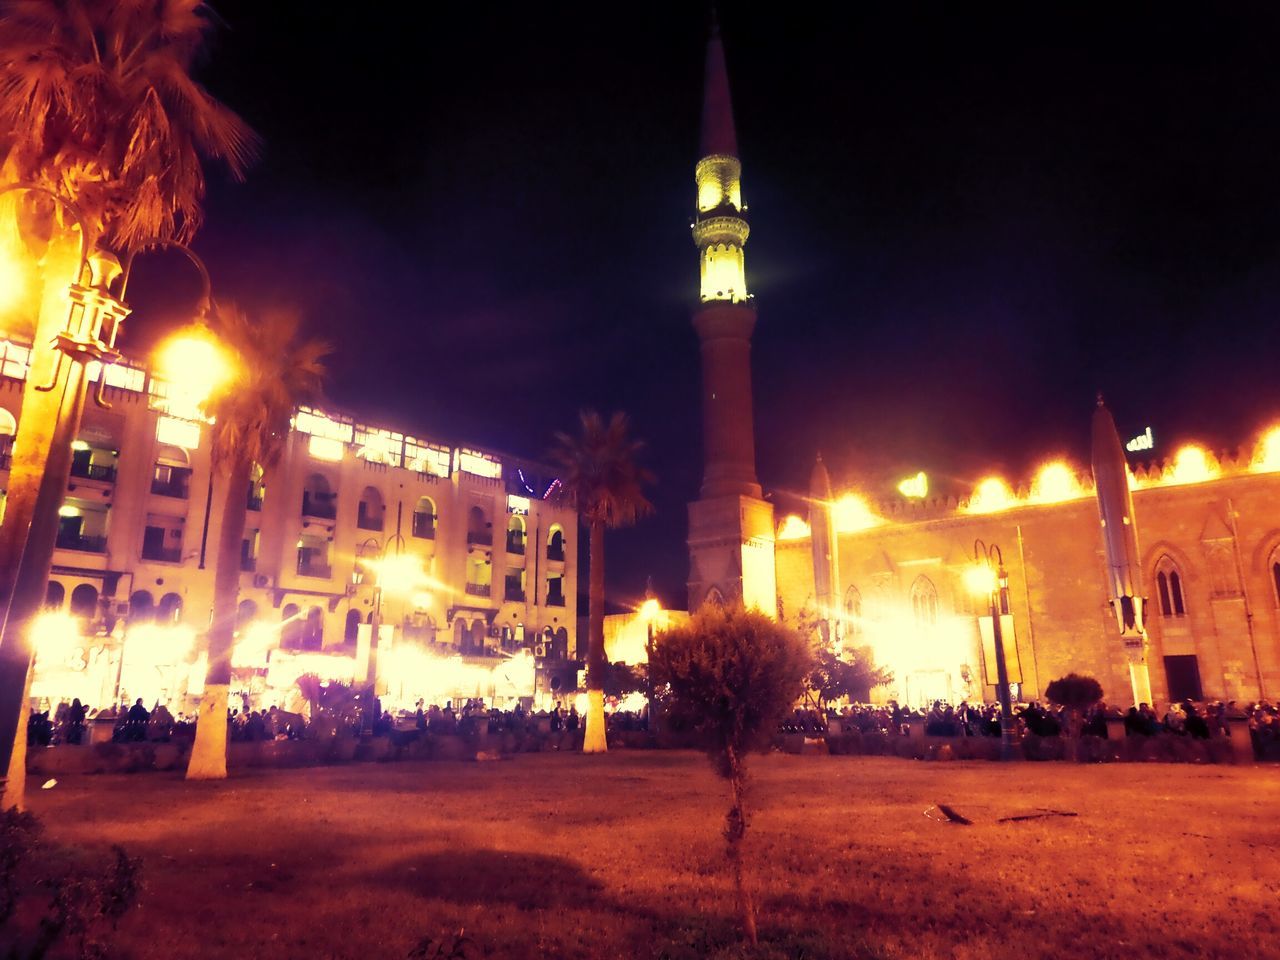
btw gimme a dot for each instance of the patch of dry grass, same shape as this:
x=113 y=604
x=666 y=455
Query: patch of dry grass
x=621 y=856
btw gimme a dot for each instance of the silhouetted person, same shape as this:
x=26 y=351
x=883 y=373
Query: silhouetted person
x=75 y=721
x=137 y=721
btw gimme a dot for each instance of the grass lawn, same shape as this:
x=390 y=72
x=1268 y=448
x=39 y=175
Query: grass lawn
x=621 y=856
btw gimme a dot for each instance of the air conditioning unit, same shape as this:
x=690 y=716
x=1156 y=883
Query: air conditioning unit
x=539 y=649
x=496 y=632
x=261 y=580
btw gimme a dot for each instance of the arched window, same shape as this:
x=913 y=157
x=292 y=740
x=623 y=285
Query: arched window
x=84 y=601
x=924 y=602
x=853 y=613
x=555 y=542
x=318 y=498
x=54 y=595
x=352 y=630
x=142 y=607
x=479 y=529
x=714 y=597
x=515 y=535
x=257 y=489
x=1169 y=588
x=245 y=614
x=313 y=630
x=424 y=519
x=169 y=609
x=171 y=473
x=460 y=633
x=562 y=644
x=291 y=628
x=1275 y=577
x=8 y=427
x=478 y=631
x=371 y=512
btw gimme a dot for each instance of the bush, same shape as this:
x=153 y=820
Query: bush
x=1074 y=692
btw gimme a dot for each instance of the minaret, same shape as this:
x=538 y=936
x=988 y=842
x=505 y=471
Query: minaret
x=826 y=556
x=731 y=534
x=1120 y=543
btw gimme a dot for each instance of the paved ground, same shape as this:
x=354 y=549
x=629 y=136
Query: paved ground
x=621 y=856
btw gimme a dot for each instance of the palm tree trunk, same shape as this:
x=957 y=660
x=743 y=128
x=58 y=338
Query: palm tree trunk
x=209 y=752
x=735 y=831
x=594 y=739
x=31 y=522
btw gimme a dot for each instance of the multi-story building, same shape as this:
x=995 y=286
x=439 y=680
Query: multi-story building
x=133 y=569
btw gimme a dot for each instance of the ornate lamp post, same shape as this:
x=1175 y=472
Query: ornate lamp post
x=649 y=610
x=989 y=576
x=399 y=573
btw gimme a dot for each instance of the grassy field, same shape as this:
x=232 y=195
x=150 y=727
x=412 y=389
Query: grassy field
x=621 y=856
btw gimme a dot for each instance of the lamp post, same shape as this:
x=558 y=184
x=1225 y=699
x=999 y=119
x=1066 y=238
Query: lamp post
x=89 y=333
x=989 y=576
x=400 y=573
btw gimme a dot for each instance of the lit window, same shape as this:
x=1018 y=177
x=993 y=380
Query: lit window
x=1169 y=589
x=924 y=602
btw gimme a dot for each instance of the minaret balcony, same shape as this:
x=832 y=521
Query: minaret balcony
x=727 y=228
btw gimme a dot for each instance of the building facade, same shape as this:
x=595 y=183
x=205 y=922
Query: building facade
x=132 y=579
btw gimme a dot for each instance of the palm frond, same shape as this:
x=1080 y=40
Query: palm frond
x=602 y=478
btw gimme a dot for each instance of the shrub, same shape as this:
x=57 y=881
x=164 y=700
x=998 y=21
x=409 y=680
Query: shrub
x=730 y=674
x=1074 y=692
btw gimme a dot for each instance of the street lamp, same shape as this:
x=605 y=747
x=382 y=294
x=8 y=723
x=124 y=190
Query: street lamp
x=399 y=573
x=988 y=576
x=649 y=611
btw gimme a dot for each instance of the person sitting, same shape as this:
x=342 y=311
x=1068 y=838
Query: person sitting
x=136 y=722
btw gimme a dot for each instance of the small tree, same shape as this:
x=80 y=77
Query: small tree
x=851 y=674
x=731 y=674
x=1074 y=692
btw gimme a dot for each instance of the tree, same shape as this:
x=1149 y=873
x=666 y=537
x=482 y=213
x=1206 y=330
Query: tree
x=731 y=674
x=274 y=370
x=605 y=484
x=98 y=108
x=850 y=674
x=1074 y=692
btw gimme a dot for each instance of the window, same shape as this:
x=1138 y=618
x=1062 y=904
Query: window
x=313 y=558
x=318 y=498
x=245 y=614
x=351 y=631
x=1169 y=589
x=162 y=539
x=171 y=475
x=479 y=529
x=555 y=543
x=515 y=586
x=169 y=610
x=515 y=535
x=1275 y=576
x=424 y=519
x=371 y=512
x=853 y=612
x=555 y=590
x=1183 y=676
x=313 y=630
x=291 y=627
x=54 y=595
x=714 y=597
x=924 y=602
x=249 y=551
x=142 y=607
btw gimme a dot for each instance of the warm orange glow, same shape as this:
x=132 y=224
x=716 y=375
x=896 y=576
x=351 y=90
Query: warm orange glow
x=54 y=635
x=1266 y=458
x=1054 y=483
x=12 y=277
x=991 y=495
x=1191 y=465
x=400 y=574
x=194 y=364
x=650 y=609
x=851 y=514
x=793 y=528
x=980 y=580
x=916 y=487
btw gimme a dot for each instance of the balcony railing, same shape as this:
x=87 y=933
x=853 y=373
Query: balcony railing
x=254 y=501
x=163 y=554
x=515 y=544
x=170 y=488
x=555 y=599
x=93 y=471
x=369 y=523
x=480 y=537
x=514 y=592
x=479 y=589
x=248 y=564
x=316 y=508
x=68 y=541
x=321 y=571
x=424 y=526
x=555 y=552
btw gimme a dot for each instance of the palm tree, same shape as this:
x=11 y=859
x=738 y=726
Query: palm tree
x=97 y=107
x=275 y=371
x=604 y=483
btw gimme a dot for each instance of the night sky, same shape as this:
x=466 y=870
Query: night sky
x=966 y=219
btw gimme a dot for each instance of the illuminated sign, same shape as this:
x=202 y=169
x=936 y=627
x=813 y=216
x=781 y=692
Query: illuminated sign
x=1143 y=441
x=518 y=505
x=915 y=487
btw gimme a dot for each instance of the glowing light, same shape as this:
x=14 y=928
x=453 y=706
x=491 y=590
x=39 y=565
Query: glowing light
x=916 y=487
x=1266 y=457
x=194 y=364
x=793 y=528
x=851 y=514
x=79 y=445
x=1191 y=465
x=325 y=448
x=650 y=609
x=66 y=510
x=423 y=600
x=980 y=580
x=12 y=278
x=1054 y=483
x=178 y=433
x=254 y=643
x=724 y=273
x=400 y=574
x=148 y=644
x=1143 y=441
x=991 y=495
x=54 y=635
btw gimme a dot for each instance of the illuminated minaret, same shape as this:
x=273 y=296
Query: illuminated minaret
x=1120 y=544
x=731 y=534
x=826 y=556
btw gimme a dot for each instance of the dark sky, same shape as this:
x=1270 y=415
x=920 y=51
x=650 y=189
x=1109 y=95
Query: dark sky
x=966 y=218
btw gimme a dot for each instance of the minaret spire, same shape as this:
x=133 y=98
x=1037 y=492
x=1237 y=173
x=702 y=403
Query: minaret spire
x=719 y=137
